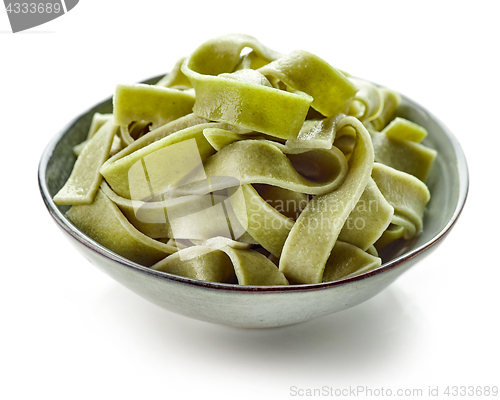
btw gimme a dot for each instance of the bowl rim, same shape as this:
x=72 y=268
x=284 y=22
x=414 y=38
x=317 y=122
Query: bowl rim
x=68 y=227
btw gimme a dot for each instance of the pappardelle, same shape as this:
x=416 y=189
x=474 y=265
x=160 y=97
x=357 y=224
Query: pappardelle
x=243 y=165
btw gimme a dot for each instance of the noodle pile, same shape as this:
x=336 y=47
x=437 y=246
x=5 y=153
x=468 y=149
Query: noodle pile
x=244 y=165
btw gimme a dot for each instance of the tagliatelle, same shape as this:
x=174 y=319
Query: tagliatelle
x=154 y=104
x=252 y=168
x=347 y=260
x=407 y=194
x=256 y=161
x=404 y=155
x=103 y=222
x=315 y=232
x=85 y=179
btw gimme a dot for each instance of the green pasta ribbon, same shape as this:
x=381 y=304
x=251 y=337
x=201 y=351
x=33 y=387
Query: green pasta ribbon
x=303 y=72
x=127 y=172
x=347 y=260
x=404 y=155
x=103 y=221
x=206 y=263
x=85 y=178
x=391 y=100
x=402 y=129
x=251 y=168
x=199 y=262
x=258 y=161
x=390 y=235
x=239 y=101
x=155 y=104
x=313 y=236
x=368 y=102
x=369 y=218
x=264 y=223
x=407 y=194
x=176 y=78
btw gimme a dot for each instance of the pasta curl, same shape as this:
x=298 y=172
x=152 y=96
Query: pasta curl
x=247 y=166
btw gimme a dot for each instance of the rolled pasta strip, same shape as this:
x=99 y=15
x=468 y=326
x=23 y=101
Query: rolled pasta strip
x=193 y=217
x=219 y=242
x=251 y=60
x=77 y=150
x=98 y=120
x=391 y=101
x=315 y=134
x=218 y=138
x=305 y=72
x=270 y=227
x=368 y=102
x=372 y=250
x=253 y=268
x=125 y=137
x=85 y=178
x=402 y=129
x=368 y=220
x=147 y=217
x=104 y=222
x=135 y=130
x=239 y=102
x=407 y=194
x=391 y=234
x=258 y=161
x=403 y=155
x=126 y=174
x=129 y=134
x=345 y=139
x=116 y=146
x=155 y=104
x=347 y=260
x=248 y=76
x=159 y=133
x=267 y=226
x=315 y=232
x=287 y=202
x=222 y=265
x=199 y=262
x=175 y=79
x=222 y=54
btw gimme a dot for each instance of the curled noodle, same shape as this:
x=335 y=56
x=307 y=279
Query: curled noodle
x=252 y=168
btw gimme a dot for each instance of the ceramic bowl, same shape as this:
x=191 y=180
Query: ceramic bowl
x=253 y=306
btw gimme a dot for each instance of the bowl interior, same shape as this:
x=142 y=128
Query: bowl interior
x=447 y=181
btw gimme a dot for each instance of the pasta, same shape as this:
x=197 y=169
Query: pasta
x=247 y=166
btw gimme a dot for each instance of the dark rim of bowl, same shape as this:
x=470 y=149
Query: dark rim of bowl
x=67 y=226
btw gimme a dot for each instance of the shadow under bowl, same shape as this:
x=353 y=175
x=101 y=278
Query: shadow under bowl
x=266 y=306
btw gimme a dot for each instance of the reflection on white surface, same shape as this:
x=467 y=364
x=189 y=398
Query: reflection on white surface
x=339 y=348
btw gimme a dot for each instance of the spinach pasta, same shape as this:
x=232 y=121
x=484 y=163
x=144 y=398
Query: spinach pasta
x=247 y=166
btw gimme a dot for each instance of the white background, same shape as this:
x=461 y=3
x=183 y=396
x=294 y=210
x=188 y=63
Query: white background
x=70 y=332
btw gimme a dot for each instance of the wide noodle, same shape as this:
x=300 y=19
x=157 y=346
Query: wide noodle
x=247 y=166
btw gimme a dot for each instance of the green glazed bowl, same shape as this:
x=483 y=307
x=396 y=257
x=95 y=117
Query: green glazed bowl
x=268 y=306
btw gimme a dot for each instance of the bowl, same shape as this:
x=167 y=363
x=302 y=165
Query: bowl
x=268 y=306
